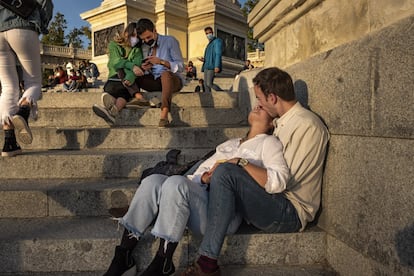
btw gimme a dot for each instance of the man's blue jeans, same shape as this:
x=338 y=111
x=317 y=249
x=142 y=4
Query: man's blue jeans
x=233 y=190
x=209 y=81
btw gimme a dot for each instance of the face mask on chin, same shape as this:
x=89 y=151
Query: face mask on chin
x=133 y=40
x=150 y=43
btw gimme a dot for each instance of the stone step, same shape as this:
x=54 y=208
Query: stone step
x=183 y=100
x=47 y=138
x=64 y=164
x=189 y=86
x=64 y=197
x=192 y=116
x=228 y=270
x=87 y=244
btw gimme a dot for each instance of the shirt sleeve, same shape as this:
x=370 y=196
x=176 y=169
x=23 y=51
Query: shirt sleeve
x=176 y=58
x=278 y=173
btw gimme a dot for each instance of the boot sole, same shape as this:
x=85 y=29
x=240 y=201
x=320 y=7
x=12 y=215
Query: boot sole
x=22 y=130
x=11 y=153
x=101 y=113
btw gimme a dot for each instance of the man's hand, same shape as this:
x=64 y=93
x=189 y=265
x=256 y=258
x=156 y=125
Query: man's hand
x=216 y=70
x=146 y=66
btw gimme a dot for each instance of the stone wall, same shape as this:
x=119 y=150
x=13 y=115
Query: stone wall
x=294 y=30
x=364 y=92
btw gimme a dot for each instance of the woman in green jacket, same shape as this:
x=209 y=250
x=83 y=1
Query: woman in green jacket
x=124 y=52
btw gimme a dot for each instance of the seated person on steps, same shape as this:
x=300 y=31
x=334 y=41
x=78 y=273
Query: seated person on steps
x=178 y=201
x=162 y=67
x=124 y=54
x=242 y=189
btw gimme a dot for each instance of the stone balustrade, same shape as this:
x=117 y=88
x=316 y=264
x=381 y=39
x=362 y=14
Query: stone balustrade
x=256 y=58
x=65 y=52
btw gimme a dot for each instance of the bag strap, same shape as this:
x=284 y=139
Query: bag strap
x=23 y=8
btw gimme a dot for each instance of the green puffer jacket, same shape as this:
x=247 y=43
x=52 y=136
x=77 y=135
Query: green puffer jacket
x=119 y=59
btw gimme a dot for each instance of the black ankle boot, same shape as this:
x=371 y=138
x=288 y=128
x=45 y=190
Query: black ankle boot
x=24 y=111
x=121 y=262
x=10 y=148
x=159 y=266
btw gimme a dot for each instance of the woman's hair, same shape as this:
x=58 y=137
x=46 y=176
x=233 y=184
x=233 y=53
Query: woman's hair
x=275 y=81
x=123 y=38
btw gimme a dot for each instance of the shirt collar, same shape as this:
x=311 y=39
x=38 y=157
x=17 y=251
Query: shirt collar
x=281 y=121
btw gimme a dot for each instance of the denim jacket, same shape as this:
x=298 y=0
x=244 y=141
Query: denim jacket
x=38 y=21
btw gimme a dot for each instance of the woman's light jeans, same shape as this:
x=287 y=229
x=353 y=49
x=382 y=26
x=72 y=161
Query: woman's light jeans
x=175 y=202
x=25 y=45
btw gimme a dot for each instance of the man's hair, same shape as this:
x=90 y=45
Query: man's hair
x=275 y=81
x=208 y=28
x=144 y=24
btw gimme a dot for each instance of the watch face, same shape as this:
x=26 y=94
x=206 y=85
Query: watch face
x=243 y=162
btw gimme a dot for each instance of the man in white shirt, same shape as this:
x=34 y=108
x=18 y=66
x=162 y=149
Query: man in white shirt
x=235 y=188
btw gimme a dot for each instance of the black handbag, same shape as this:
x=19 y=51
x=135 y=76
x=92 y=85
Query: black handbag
x=22 y=8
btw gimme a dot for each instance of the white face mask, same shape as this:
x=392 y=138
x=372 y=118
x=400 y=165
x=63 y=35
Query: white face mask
x=134 y=40
x=210 y=36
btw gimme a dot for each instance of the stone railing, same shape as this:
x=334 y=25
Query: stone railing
x=256 y=58
x=65 y=52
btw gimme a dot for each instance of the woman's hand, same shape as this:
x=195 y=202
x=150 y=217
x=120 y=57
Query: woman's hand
x=137 y=71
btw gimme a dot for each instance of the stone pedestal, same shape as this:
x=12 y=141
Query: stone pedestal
x=183 y=19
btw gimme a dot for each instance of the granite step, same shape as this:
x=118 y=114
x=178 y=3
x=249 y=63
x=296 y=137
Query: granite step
x=87 y=244
x=39 y=198
x=191 y=116
x=183 y=100
x=131 y=137
x=71 y=164
x=229 y=270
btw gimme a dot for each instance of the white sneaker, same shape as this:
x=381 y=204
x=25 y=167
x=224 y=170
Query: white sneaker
x=109 y=115
x=108 y=100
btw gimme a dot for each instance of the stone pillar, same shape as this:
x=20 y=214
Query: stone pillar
x=183 y=19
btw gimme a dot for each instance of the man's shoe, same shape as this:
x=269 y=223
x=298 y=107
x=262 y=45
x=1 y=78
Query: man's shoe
x=138 y=103
x=195 y=270
x=109 y=115
x=121 y=262
x=10 y=148
x=155 y=102
x=108 y=100
x=159 y=266
x=164 y=123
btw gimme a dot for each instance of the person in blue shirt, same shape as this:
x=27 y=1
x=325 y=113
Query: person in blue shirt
x=162 y=66
x=211 y=60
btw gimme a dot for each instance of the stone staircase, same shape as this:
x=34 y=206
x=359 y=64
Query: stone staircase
x=54 y=199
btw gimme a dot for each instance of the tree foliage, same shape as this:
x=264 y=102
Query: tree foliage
x=253 y=44
x=56 y=35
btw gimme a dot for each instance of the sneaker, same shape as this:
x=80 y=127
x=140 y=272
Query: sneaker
x=109 y=115
x=21 y=125
x=195 y=270
x=164 y=123
x=159 y=266
x=108 y=100
x=11 y=148
x=138 y=103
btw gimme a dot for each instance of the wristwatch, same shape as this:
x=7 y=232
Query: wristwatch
x=162 y=62
x=242 y=162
